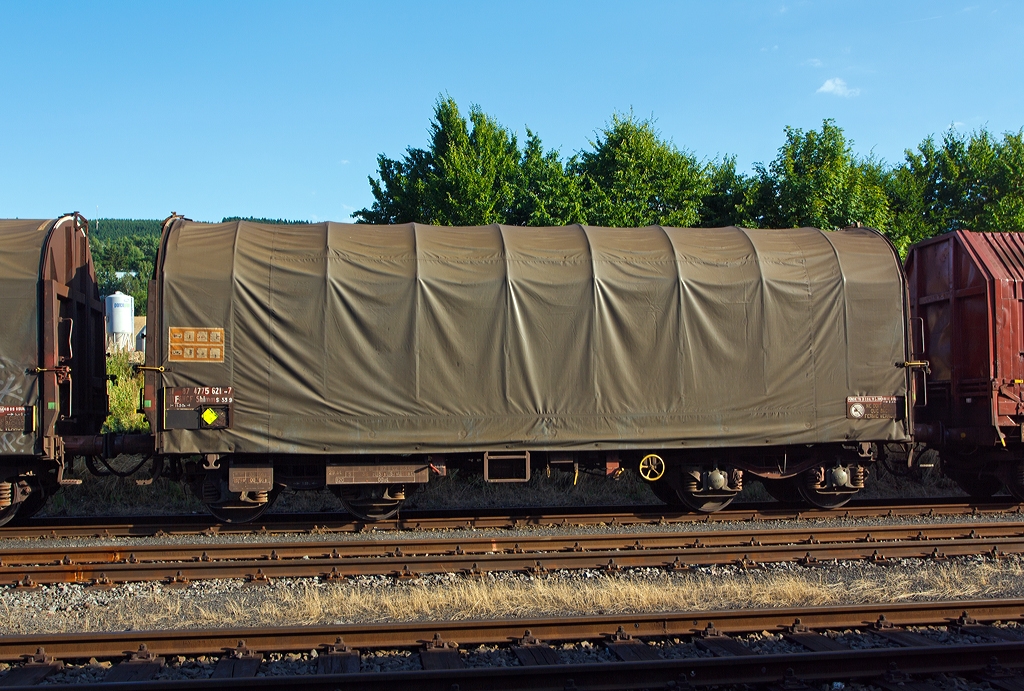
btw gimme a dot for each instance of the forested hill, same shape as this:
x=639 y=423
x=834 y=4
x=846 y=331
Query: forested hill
x=107 y=229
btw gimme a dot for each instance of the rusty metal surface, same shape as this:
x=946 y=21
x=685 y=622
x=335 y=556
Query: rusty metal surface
x=968 y=288
x=109 y=445
x=52 y=350
x=285 y=639
x=142 y=526
x=477 y=555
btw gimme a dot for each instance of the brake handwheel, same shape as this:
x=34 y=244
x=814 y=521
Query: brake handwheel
x=652 y=467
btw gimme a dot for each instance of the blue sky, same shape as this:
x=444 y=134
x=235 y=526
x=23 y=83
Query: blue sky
x=279 y=110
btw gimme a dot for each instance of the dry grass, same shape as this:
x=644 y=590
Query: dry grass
x=454 y=598
x=116 y=496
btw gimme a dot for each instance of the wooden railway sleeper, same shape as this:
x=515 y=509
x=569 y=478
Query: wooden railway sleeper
x=808 y=560
x=240 y=661
x=1000 y=677
x=258 y=578
x=102 y=582
x=337 y=658
x=36 y=667
x=406 y=574
x=790 y=682
x=144 y=655
x=178 y=580
x=678 y=566
x=537 y=569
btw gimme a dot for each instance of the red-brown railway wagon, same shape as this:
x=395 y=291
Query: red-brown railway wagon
x=968 y=289
x=52 y=369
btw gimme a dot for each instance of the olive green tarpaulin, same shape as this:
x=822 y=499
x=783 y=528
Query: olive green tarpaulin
x=347 y=338
x=21 y=246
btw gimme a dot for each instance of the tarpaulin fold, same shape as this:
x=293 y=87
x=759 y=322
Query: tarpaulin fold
x=346 y=338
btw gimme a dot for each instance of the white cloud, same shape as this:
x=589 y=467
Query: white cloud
x=814 y=62
x=838 y=87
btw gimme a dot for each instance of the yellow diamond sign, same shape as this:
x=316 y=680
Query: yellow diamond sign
x=209 y=416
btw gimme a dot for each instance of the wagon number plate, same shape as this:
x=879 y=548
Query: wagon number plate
x=14 y=418
x=871 y=407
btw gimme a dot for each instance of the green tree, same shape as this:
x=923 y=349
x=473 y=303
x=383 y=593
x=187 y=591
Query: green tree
x=731 y=197
x=125 y=263
x=905 y=188
x=632 y=177
x=972 y=181
x=546 y=195
x=473 y=173
x=817 y=181
x=475 y=168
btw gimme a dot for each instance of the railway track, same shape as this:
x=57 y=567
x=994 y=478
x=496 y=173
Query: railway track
x=816 y=657
x=179 y=564
x=149 y=526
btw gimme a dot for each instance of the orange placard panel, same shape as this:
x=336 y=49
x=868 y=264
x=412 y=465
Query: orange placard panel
x=195 y=344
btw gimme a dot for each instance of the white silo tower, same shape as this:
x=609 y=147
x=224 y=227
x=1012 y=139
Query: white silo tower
x=120 y=309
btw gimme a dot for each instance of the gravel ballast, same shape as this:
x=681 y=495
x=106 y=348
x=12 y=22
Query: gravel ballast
x=369 y=599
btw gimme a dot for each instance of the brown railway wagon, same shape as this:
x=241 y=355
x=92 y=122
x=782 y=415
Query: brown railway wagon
x=52 y=369
x=367 y=358
x=968 y=289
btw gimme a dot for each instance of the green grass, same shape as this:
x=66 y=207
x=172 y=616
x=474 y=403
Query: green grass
x=123 y=395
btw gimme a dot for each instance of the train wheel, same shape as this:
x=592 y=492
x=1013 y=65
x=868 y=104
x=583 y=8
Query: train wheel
x=34 y=503
x=685 y=489
x=830 y=487
x=1015 y=482
x=784 y=490
x=701 y=504
x=239 y=511
x=662 y=490
x=980 y=486
x=824 y=500
x=29 y=506
x=8 y=513
x=371 y=502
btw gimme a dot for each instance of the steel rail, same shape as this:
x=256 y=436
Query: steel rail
x=889 y=666
x=146 y=526
x=783 y=671
x=467 y=544
x=499 y=631
x=453 y=558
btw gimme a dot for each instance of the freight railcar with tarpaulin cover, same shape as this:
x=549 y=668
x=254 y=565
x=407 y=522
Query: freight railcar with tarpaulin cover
x=52 y=369
x=367 y=358
x=968 y=291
